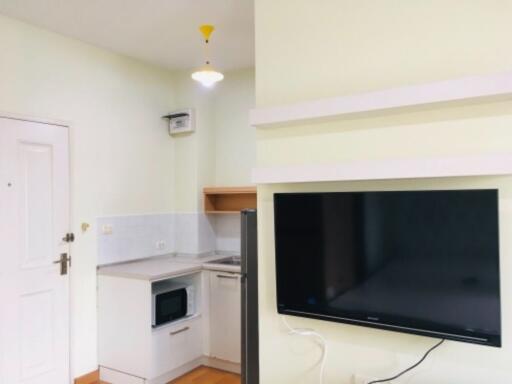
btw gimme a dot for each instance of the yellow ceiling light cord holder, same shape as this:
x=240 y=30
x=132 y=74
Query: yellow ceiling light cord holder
x=207 y=76
x=206 y=31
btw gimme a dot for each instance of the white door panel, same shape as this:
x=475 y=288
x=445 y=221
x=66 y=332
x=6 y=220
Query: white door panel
x=37 y=335
x=34 y=206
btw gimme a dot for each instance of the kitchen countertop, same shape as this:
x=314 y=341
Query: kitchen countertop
x=161 y=267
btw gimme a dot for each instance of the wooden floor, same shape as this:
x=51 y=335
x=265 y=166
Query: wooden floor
x=205 y=375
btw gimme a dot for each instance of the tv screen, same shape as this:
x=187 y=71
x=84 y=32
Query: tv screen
x=422 y=262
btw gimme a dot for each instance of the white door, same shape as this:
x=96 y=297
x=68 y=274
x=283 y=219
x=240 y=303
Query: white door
x=34 y=218
x=225 y=316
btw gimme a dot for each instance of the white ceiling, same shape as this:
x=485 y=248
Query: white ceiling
x=162 y=32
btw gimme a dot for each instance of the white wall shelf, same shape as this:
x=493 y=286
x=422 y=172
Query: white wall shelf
x=482 y=165
x=463 y=90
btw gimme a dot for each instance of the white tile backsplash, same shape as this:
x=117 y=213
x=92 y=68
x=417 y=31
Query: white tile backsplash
x=141 y=236
x=227 y=232
x=194 y=233
x=206 y=234
x=134 y=237
x=185 y=233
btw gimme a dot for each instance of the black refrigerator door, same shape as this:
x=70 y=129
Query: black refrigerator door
x=250 y=334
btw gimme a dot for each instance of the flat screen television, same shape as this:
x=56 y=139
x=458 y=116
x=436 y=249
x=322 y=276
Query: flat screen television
x=421 y=262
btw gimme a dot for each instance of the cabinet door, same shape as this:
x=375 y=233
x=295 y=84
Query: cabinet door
x=176 y=345
x=225 y=316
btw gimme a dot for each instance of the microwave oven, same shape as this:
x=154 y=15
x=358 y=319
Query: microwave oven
x=171 y=302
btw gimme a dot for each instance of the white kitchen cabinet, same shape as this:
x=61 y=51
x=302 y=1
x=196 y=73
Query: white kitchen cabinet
x=225 y=316
x=131 y=351
x=129 y=348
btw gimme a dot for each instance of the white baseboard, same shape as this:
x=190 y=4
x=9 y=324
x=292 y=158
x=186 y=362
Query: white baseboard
x=113 y=376
x=223 y=365
x=175 y=373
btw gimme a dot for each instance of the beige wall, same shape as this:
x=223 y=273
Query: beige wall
x=194 y=153
x=121 y=154
x=333 y=47
x=122 y=159
x=235 y=140
x=222 y=150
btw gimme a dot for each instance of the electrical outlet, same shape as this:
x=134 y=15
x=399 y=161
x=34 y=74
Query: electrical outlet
x=160 y=245
x=106 y=229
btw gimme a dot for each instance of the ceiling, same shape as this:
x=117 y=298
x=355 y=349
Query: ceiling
x=162 y=32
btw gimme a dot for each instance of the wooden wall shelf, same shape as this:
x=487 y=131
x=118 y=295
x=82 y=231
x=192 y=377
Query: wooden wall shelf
x=228 y=199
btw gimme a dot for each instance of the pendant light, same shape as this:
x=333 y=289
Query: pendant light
x=206 y=75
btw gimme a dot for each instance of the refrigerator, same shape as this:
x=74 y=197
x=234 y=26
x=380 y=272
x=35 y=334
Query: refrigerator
x=249 y=282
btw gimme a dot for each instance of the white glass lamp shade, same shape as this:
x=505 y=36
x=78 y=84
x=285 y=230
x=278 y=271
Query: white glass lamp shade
x=207 y=76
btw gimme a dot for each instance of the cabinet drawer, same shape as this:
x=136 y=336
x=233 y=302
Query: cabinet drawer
x=175 y=345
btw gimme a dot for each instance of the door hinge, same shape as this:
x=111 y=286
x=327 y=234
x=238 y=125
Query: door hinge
x=69 y=238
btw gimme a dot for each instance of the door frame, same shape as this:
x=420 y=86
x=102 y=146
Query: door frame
x=67 y=125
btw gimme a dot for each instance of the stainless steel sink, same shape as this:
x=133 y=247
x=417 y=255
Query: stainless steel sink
x=231 y=260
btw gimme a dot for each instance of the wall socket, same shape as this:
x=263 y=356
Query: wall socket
x=160 y=245
x=106 y=229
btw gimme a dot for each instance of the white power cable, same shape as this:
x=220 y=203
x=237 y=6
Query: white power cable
x=310 y=333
